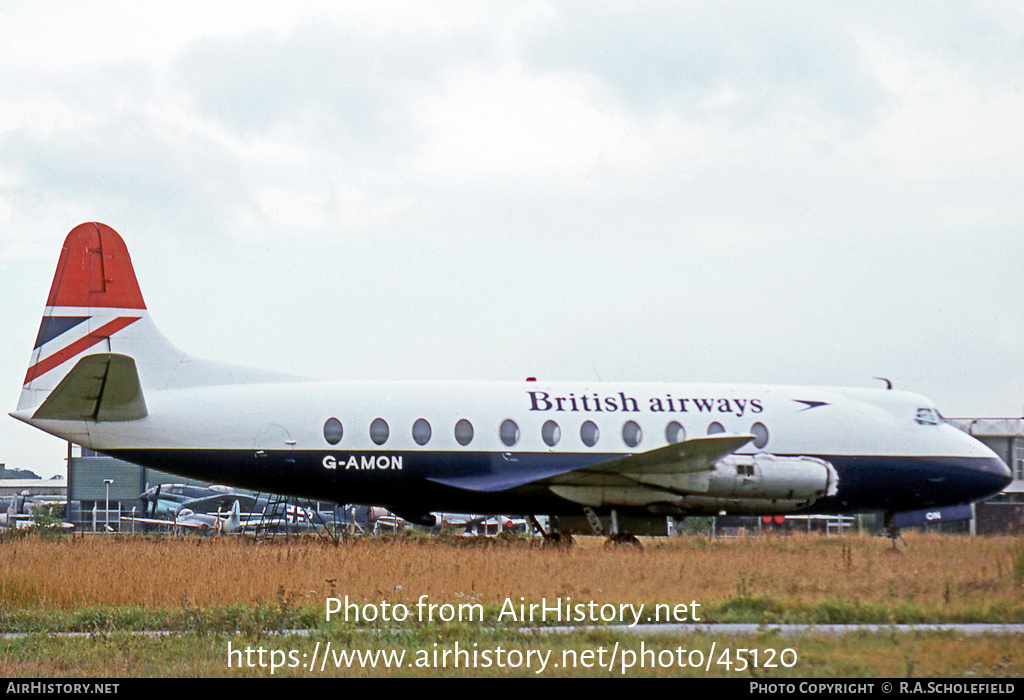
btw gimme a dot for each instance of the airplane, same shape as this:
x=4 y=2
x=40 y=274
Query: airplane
x=187 y=519
x=471 y=524
x=273 y=519
x=169 y=499
x=609 y=458
x=15 y=515
x=21 y=510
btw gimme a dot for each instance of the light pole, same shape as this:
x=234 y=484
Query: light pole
x=106 y=511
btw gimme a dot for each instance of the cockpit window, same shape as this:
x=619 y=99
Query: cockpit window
x=927 y=416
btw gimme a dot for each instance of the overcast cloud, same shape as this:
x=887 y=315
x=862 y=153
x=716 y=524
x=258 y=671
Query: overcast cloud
x=759 y=192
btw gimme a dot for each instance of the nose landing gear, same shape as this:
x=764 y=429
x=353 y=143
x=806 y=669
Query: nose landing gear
x=892 y=530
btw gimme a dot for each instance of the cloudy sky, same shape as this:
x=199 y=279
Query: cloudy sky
x=779 y=192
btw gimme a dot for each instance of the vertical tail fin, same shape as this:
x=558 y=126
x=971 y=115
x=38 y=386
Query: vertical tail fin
x=97 y=349
x=234 y=520
x=94 y=307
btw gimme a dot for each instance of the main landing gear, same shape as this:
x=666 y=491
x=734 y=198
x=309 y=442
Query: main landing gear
x=615 y=538
x=552 y=537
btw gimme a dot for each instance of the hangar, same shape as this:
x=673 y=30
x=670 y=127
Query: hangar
x=101 y=489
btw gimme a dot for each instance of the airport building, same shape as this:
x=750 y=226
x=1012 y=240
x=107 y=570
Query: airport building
x=101 y=489
x=37 y=487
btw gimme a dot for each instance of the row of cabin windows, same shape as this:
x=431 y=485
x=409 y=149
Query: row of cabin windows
x=550 y=432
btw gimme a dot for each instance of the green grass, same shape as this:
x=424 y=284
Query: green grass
x=431 y=651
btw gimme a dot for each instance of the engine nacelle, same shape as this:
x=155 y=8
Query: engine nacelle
x=760 y=484
x=768 y=476
x=756 y=484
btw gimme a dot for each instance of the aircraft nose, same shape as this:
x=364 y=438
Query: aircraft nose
x=986 y=474
x=1006 y=474
x=990 y=475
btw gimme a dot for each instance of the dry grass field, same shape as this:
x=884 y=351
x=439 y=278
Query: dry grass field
x=931 y=577
x=229 y=592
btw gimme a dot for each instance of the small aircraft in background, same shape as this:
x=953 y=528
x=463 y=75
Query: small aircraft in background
x=21 y=510
x=488 y=525
x=169 y=499
x=186 y=519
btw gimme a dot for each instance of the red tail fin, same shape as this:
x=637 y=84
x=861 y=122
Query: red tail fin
x=95 y=307
x=95 y=271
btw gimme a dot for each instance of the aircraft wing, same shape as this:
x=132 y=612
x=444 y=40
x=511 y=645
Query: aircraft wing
x=189 y=520
x=248 y=522
x=687 y=457
x=14 y=520
x=220 y=501
x=151 y=521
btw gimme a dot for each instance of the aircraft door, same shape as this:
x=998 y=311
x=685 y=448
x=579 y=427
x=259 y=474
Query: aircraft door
x=273 y=445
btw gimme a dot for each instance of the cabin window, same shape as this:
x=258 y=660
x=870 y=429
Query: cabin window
x=589 y=433
x=333 y=431
x=379 y=431
x=421 y=432
x=631 y=434
x=716 y=428
x=674 y=433
x=551 y=433
x=760 y=433
x=509 y=433
x=464 y=432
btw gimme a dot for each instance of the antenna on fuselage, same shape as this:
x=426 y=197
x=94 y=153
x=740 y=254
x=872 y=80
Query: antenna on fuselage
x=888 y=383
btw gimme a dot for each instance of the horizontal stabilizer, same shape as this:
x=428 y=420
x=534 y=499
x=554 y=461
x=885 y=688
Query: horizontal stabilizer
x=102 y=387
